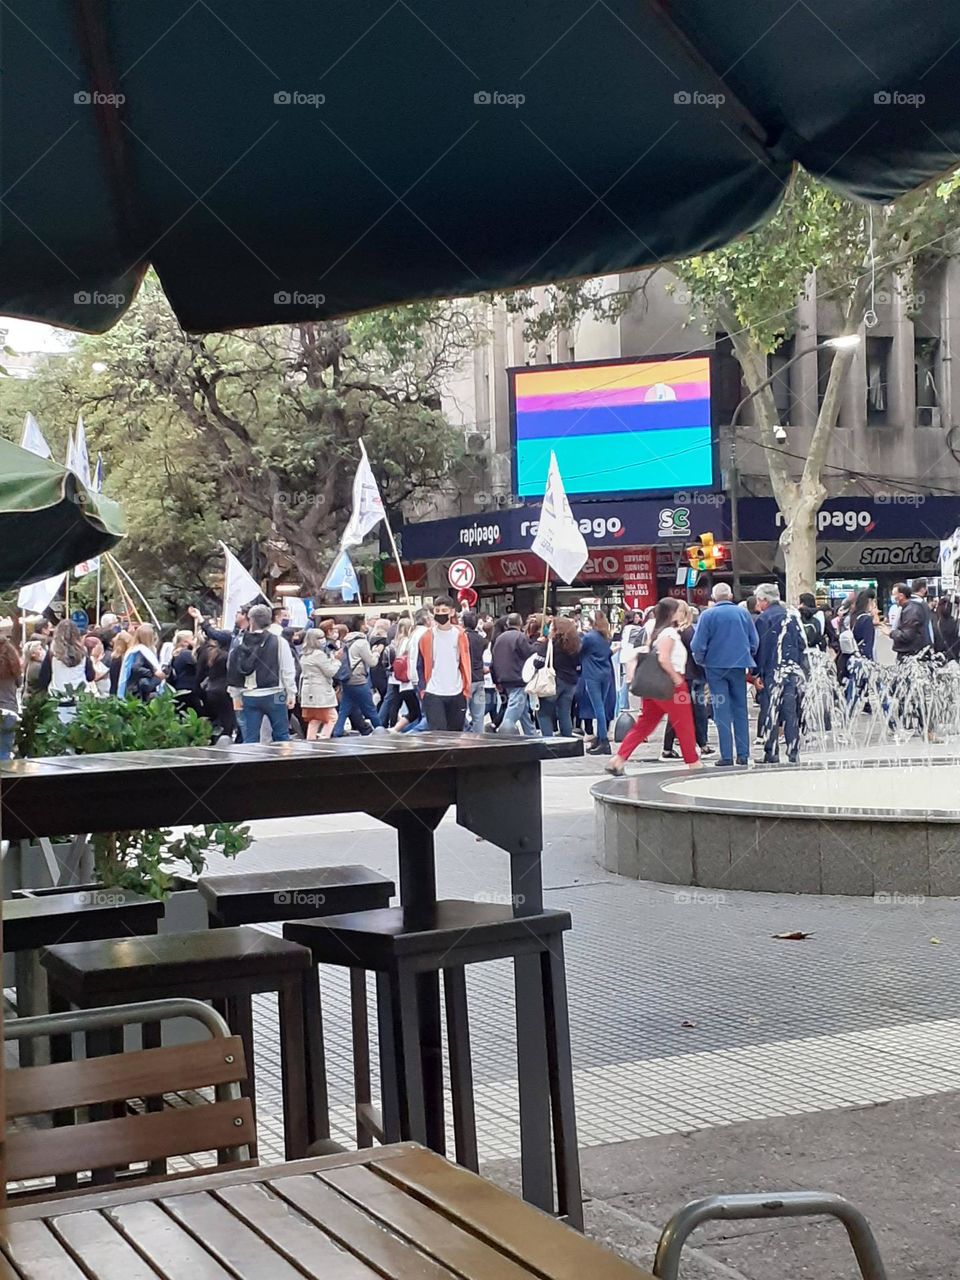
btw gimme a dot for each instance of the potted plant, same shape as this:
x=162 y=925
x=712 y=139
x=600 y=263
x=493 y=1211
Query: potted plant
x=149 y=861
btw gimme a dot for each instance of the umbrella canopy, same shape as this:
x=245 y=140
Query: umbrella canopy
x=286 y=160
x=48 y=521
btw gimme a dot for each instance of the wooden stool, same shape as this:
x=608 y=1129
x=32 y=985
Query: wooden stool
x=219 y=965
x=457 y=934
x=261 y=897
x=32 y=920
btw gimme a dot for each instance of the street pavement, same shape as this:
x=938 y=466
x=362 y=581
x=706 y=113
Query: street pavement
x=709 y=1056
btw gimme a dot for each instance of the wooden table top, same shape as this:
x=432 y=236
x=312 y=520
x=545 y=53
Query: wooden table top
x=379 y=774
x=397 y=1212
x=380 y=752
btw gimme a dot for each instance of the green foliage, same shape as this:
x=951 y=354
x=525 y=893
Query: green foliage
x=250 y=437
x=143 y=861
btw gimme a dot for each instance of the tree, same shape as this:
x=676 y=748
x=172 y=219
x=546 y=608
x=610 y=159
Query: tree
x=252 y=436
x=750 y=289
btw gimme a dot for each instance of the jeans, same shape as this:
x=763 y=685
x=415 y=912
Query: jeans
x=274 y=707
x=8 y=734
x=596 y=708
x=698 y=701
x=478 y=706
x=555 y=712
x=517 y=712
x=787 y=713
x=728 y=694
x=445 y=712
x=395 y=699
x=356 y=701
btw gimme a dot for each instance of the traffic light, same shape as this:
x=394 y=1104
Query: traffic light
x=708 y=559
x=693 y=556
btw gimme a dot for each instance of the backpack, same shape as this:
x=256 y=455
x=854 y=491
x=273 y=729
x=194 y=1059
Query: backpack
x=243 y=658
x=401 y=667
x=848 y=641
x=346 y=668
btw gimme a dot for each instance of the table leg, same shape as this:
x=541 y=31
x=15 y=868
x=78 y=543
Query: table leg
x=418 y=896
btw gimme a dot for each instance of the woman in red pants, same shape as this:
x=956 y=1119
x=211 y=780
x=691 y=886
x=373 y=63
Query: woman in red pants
x=672 y=656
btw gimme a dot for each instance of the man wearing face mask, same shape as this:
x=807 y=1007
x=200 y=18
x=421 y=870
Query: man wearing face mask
x=444 y=670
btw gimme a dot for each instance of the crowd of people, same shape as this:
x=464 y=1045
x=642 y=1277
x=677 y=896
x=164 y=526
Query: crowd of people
x=441 y=667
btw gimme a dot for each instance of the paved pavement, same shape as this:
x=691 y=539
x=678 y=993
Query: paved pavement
x=696 y=1036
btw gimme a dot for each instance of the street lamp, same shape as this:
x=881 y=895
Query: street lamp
x=844 y=342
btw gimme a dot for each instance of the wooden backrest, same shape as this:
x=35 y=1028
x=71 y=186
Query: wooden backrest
x=132 y=1138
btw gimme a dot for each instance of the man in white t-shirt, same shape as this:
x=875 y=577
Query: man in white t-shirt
x=444 y=670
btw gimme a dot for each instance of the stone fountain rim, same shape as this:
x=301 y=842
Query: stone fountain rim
x=647 y=791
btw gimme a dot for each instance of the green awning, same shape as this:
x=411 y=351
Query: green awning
x=48 y=521
x=285 y=160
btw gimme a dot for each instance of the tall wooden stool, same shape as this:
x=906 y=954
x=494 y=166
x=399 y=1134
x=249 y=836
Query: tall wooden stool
x=262 y=897
x=457 y=934
x=229 y=965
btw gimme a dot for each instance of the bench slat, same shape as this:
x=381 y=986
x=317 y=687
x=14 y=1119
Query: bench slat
x=103 y=1144
x=116 y=1077
x=105 y=1253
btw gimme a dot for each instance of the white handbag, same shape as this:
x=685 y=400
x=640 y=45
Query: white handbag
x=542 y=683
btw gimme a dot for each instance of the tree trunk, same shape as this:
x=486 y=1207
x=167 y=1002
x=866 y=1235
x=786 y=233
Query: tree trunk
x=799 y=543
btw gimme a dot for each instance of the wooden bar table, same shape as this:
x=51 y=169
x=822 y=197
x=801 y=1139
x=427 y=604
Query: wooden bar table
x=408 y=781
x=395 y=1213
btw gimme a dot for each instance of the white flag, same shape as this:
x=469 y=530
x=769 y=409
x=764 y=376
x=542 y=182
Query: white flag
x=239 y=588
x=38 y=595
x=296 y=606
x=78 y=460
x=367 y=504
x=32 y=438
x=559 y=542
x=86 y=566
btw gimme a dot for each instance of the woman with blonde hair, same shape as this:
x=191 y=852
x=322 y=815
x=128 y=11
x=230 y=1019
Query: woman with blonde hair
x=142 y=674
x=401 y=687
x=67 y=668
x=319 y=663
x=121 y=646
x=9 y=696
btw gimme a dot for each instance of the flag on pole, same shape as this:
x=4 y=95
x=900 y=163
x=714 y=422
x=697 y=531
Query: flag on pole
x=39 y=595
x=78 y=460
x=559 y=542
x=92 y=566
x=239 y=588
x=367 y=504
x=32 y=438
x=343 y=578
x=98 y=474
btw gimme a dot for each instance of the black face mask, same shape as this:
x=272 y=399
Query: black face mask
x=441 y=619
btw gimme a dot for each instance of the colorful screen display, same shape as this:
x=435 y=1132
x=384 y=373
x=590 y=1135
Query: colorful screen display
x=623 y=427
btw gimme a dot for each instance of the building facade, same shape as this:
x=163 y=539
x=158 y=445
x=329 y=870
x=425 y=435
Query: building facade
x=893 y=469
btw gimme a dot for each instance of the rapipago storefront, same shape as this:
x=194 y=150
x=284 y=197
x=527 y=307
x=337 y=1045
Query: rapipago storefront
x=636 y=546
x=635 y=549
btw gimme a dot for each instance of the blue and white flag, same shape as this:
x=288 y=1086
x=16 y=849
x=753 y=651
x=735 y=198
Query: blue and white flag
x=343 y=578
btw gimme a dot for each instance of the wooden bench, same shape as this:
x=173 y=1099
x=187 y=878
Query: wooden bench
x=116 y=1137
x=398 y=1213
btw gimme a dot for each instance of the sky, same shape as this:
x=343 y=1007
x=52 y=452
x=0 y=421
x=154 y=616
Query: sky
x=27 y=335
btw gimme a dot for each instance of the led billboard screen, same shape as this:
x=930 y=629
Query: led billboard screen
x=622 y=426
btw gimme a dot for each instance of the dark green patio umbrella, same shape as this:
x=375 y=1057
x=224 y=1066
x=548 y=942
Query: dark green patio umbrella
x=48 y=521
x=286 y=160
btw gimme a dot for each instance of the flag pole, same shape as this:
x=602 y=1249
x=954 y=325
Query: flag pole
x=99 y=559
x=226 y=587
x=546 y=592
x=396 y=556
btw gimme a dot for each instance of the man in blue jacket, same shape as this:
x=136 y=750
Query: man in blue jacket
x=781 y=664
x=725 y=644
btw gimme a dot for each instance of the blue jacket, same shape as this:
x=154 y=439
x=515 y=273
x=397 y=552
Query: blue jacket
x=725 y=637
x=771 y=653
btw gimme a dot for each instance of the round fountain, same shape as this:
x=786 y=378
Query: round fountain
x=873 y=809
